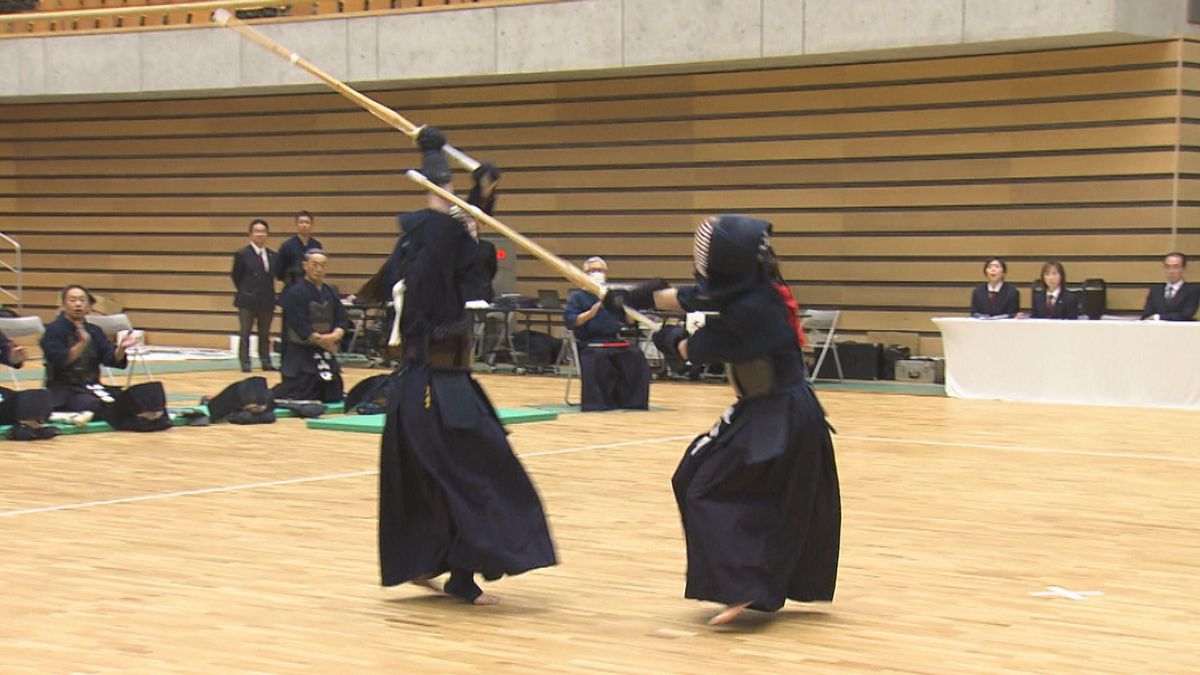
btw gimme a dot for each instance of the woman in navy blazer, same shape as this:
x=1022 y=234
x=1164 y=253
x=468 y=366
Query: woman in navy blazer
x=1050 y=299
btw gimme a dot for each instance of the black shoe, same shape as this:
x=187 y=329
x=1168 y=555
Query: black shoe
x=45 y=432
x=268 y=368
x=245 y=367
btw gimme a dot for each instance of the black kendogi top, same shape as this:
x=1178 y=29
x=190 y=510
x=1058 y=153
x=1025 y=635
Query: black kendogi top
x=60 y=336
x=750 y=324
x=290 y=257
x=477 y=280
x=307 y=310
x=603 y=327
x=438 y=253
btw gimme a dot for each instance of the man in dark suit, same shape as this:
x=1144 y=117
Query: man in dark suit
x=1175 y=300
x=253 y=277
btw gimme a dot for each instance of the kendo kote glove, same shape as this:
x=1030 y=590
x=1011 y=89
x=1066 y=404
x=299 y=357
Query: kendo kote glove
x=486 y=203
x=668 y=338
x=640 y=296
x=430 y=139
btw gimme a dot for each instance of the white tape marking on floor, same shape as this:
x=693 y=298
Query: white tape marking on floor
x=310 y=479
x=1022 y=448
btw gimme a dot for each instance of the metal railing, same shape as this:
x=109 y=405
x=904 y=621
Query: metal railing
x=19 y=296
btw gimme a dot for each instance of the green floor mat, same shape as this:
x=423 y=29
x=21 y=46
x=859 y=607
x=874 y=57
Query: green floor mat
x=373 y=424
x=98 y=427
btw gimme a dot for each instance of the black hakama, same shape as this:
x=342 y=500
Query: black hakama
x=452 y=495
x=613 y=377
x=758 y=494
x=767 y=530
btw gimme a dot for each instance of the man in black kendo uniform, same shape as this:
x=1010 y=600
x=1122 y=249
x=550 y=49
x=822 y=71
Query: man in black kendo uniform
x=290 y=259
x=74 y=351
x=314 y=322
x=28 y=410
x=758 y=494
x=612 y=372
x=452 y=495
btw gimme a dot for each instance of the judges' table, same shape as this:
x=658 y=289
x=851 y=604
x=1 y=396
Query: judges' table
x=1124 y=363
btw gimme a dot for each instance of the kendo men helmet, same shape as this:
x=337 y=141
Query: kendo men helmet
x=732 y=253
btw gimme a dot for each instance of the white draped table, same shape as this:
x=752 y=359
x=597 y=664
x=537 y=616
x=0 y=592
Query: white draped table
x=1123 y=363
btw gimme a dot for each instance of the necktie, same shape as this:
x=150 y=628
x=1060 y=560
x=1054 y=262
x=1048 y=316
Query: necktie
x=1049 y=305
x=263 y=256
x=1170 y=293
x=993 y=296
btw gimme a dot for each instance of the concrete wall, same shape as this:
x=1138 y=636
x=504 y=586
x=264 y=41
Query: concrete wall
x=574 y=35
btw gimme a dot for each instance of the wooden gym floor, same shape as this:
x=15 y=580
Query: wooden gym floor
x=228 y=549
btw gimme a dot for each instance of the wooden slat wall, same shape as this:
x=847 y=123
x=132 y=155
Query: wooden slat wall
x=1189 y=154
x=888 y=183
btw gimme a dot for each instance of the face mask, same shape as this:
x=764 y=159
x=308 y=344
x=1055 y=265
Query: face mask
x=598 y=277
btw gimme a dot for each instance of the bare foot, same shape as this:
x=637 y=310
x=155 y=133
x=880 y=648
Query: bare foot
x=731 y=612
x=485 y=599
x=425 y=582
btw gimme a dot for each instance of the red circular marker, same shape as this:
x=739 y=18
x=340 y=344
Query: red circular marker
x=501 y=254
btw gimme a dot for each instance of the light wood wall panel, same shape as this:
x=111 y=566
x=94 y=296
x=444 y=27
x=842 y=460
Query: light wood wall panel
x=888 y=183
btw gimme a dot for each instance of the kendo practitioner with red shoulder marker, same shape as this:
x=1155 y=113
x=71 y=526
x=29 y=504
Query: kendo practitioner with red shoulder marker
x=758 y=494
x=452 y=495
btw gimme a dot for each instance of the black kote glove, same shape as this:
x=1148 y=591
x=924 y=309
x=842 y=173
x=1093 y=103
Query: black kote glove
x=640 y=296
x=430 y=139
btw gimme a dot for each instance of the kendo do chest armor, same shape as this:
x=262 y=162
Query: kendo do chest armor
x=320 y=315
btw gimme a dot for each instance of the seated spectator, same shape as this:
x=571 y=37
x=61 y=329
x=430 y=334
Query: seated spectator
x=1175 y=300
x=26 y=411
x=1050 y=299
x=995 y=298
x=314 y=323
x=74 y=350
x=613 y=373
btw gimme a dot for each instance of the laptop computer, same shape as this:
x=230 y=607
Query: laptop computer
x=548 y=299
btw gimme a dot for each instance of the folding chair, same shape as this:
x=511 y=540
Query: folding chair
x=570 y=350
x=111 y=324
x=22 y=326
x=821 y=325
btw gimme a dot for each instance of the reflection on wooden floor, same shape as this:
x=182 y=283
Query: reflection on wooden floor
x=956 y=512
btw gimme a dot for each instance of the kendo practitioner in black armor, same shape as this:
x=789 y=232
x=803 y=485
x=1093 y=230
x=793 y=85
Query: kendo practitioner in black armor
x=758 y=494
x=452 y=495
x=27 y=411
x=314 y=322
x=74 y=350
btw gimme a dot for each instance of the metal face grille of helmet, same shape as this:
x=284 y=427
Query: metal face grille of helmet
x=702 y=244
